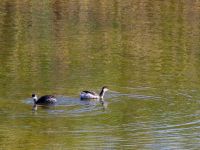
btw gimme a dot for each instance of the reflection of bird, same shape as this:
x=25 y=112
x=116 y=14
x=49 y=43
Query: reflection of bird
x=104 y=104
x=44 y=100
x=93 y=95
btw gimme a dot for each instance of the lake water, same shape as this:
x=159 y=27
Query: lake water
x=146 y=52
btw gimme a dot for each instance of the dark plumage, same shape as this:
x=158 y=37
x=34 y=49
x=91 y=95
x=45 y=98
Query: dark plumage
x=91 y=92
x=44 y=100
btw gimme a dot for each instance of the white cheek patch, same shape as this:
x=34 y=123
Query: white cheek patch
x=105 y=89
x=35 y=98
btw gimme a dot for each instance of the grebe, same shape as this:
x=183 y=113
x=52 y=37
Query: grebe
x=43 y=100
x=93 y=95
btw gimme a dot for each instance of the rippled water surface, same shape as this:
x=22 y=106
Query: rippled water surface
x=146 y=52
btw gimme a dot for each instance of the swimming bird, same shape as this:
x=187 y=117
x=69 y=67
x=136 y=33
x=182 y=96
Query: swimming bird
x=43 y=100
x=93 y=95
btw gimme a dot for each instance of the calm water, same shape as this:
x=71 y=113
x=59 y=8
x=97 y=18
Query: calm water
x=147 y=52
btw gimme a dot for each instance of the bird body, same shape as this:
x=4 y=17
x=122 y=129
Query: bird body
x=89 y=95
x=93 y=95
x=45 y=100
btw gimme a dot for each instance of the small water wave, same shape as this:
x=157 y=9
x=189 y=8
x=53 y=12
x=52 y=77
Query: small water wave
x=136 y=96
x=137 y=93
x=194 y=124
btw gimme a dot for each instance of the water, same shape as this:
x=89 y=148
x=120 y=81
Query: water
x=147 y=52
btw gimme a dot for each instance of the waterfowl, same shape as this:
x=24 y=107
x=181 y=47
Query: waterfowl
x=93 y=95
x=43 y=100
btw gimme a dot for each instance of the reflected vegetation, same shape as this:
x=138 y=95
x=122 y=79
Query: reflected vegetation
x=147 y=52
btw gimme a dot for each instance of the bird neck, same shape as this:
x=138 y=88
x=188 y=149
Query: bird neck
x=34 y=107
x=102 y=93
x=35 y=100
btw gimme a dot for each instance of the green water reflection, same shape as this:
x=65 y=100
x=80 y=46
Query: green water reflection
x=147 y=52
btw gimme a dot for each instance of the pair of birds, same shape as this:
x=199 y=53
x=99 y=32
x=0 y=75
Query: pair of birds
x=51 y=100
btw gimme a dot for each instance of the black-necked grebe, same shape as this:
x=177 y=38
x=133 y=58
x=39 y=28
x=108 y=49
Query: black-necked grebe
x=93 y=95
x=43 y=100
